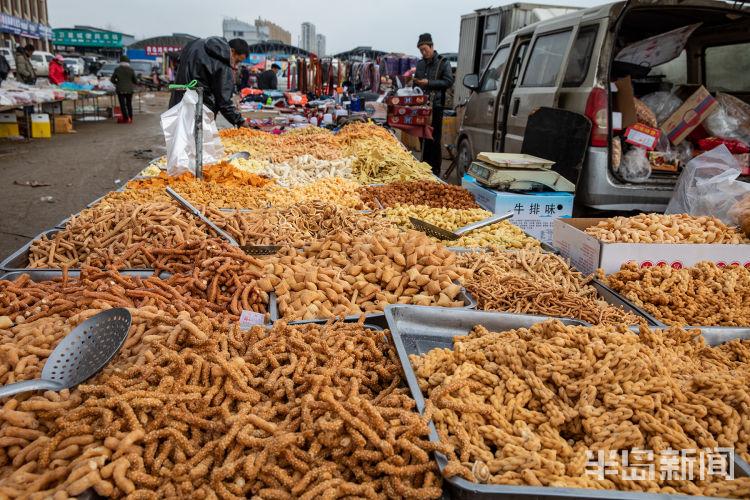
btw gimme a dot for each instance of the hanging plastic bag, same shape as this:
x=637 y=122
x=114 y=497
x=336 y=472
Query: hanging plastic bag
x=178 y=125
x=635 y=166
x=708 y=185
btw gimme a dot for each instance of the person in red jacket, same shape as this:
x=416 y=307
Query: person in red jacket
x=57 y=70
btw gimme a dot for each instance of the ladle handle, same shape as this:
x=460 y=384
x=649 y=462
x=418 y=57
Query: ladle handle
x=482 y=223
x=182 y=201
x=30 y=385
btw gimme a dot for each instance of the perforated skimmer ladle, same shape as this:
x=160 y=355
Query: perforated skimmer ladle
x=83 y=352
x=442 y=234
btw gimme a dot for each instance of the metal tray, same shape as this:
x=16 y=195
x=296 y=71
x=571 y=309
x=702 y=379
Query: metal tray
x=96 y=201
x=38 y=275
x=617 y=300
x=377 y=319
x=20 y=258
x=419 y=329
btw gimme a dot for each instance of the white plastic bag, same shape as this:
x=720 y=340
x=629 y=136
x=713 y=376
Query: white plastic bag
x=708 y=185
x=178 y=124
x=635 y=166
x=663 y=104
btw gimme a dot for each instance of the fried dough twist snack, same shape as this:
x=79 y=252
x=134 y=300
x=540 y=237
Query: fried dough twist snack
x=524 y=406
x=204 y=410
x=658 y=228
x=701 y=295
x=536 y=282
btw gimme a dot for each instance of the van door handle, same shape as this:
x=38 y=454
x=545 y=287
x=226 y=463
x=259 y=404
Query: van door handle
x=516 y=104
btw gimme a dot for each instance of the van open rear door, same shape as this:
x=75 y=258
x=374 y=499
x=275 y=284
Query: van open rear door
x=540 y=78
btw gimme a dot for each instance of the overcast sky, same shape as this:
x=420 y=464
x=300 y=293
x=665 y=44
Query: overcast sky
x=390 y=25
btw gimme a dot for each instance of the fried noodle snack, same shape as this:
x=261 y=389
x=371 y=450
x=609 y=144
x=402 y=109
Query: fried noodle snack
x=204 y=410
x=522 y=407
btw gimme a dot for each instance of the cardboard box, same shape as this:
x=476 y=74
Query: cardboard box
x=688 y=116
x=9 y=125
x=40 y=126
x=63 y=124
x=587 y=253
x=535 y=213
x=409 y=120
x=408 y=100
x=625 y=101
x=411 y=142
x=410 y=110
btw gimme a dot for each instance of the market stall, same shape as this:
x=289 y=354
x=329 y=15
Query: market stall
x=504 y=369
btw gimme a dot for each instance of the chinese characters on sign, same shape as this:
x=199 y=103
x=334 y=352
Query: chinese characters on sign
x=667 y=465
x=83 y=38
x=159 y=50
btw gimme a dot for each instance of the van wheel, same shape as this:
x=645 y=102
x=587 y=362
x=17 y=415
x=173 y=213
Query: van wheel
x=464 y=158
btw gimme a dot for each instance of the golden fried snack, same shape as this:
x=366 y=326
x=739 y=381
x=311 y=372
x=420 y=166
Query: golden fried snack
x=536 y=282
x=303 y=223
x=702 y=295
x=524 y=406
x=219 y=173
x=192 y=408
x=214 y=285
x=114 y=233
x=277 y=148
x=658 y=228
x=432 y=194
x=502 y=234
x=342 y=276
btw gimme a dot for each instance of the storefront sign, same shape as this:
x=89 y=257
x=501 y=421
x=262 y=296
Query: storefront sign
x=159 y=50
x=23 y=27
x=84 y=38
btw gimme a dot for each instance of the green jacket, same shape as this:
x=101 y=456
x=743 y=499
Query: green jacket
x=124 y=79
x=24 y=70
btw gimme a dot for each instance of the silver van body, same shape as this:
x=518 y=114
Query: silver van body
x=566 y=63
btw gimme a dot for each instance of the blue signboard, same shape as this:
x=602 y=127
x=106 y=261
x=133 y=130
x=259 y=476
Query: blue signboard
x=23 y=27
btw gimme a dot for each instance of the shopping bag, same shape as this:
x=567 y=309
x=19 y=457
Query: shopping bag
x=178 y=125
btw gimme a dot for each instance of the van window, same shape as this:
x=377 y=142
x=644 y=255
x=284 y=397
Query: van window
x=37 y=57
x=545 y=60
x=674 y=71
x=490 y=39
x=580 y=56
x=491 y=78
x=727 y=67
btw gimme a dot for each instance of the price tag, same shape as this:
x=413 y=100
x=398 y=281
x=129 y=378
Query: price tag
x=249 y=319
x=642 y=136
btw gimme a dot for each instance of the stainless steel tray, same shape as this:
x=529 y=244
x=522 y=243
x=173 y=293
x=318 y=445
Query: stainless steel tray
x=617 y=300
x=20 y=258
x=419 y=329
x=53 y=274
x=377 y=319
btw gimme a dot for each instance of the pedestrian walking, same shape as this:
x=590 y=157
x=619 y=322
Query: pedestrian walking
x=434 y=76
x=125 y=80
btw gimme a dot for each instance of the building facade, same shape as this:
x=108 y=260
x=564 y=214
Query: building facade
x=307 y=39
x=24 y=22
x=251 y=33
x=275 y=32
x=320 y=45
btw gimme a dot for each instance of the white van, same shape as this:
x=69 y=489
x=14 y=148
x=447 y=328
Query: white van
x=40 y=61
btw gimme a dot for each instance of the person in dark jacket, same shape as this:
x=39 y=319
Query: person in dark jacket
x=24 y=69
x=210 y=61
x=267 y=80
x=434 y=76
x=125 y=80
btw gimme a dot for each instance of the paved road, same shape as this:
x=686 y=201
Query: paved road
x=79 y=167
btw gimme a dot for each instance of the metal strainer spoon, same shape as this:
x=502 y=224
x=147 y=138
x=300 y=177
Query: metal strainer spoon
x=83 y=352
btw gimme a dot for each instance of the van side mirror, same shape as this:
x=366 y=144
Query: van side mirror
x=471 y=81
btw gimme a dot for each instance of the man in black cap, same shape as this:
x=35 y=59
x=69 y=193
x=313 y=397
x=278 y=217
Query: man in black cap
x=434 y=76
x=267 y=80
x=211 y=62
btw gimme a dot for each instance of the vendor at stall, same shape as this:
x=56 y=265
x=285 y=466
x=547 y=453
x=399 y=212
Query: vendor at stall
x=268 y=80
x=210 y=61
x=24 y=70
x=434 y=76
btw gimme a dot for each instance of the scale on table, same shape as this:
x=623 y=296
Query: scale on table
x=517 y=172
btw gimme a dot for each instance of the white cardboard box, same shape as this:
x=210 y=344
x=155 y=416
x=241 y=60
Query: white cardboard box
x=587 y=253
x=534 y=213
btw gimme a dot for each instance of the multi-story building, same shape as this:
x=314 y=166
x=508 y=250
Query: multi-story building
x=320 y=45
x=24 y=22
x=307 y=39
x=275 y=32
x=251 y=33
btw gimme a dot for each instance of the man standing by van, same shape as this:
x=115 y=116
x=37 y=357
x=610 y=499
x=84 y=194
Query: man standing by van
x=434 y=76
